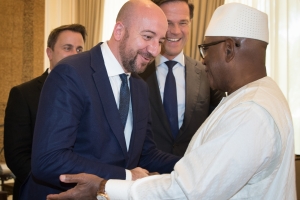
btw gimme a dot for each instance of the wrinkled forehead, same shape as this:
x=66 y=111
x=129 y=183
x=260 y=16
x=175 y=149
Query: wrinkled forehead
x=156 y=25
x=151 y=22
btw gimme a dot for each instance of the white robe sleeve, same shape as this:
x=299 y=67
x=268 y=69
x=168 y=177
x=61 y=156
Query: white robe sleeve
x=240 y=148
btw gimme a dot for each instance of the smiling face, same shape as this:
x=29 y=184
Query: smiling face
x=129 y=57
x=142 y=38
x=178 y=15
x=68 y=43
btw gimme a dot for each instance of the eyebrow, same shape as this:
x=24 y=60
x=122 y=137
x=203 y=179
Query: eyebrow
x=149 y=31
x=71 y=45
x=181 y=20
x=68 y=45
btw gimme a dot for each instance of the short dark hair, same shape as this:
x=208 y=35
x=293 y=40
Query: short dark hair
x=191 y=5
x=52 y=38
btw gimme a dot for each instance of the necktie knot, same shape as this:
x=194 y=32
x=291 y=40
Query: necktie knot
x=171 y=64
x=123 y=78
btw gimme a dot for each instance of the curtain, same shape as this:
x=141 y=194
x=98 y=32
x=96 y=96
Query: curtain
x=57 y=13
x=89 y=13
x=282 y=61
x=202 y=13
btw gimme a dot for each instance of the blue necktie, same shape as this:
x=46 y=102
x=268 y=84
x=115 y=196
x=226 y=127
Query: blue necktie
x=170 y=98
x=124 y=99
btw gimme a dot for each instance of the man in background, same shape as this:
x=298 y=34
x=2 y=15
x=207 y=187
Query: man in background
x=94 y=113
x=178 y=108
x=245 y=148
x=22 y=105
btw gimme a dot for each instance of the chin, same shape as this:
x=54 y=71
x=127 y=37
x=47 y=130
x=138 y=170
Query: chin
x=141 y=68
x=173 y=52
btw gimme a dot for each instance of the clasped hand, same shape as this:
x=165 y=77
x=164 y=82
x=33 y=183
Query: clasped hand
x=88 y=185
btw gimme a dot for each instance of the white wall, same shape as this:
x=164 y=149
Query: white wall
x=111 y=9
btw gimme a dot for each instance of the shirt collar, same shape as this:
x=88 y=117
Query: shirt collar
x=112 y=65
x=160 y=59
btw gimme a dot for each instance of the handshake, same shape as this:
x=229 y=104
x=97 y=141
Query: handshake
x=89 y=185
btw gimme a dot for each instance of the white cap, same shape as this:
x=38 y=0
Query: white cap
x=239 y=20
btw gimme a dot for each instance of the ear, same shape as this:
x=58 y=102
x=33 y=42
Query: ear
x=119 y=31
x=230 y=51
x=49 y=52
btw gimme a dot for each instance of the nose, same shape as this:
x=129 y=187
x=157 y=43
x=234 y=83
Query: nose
x=154 y=48
x=174 y=28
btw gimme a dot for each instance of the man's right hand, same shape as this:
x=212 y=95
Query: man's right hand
x=139 y=172
x=86 y=188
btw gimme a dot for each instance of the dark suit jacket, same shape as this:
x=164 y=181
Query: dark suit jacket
x=19 y=121
x=79 y=129
x=199 y=100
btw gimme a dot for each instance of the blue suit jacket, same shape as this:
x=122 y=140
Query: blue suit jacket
x=78 y=128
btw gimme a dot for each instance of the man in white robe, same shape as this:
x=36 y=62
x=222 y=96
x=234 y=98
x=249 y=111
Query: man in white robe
x=245 y=148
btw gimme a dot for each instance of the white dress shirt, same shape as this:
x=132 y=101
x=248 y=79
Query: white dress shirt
x=114 y=69
x=179 y=73
x=244 y=150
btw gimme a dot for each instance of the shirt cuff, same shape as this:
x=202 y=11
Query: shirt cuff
x=118 y=189
x=128 y=175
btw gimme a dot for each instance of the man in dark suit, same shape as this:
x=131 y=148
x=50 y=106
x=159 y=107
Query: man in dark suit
x=80 y=122
x=21 y=110
x=195 y=99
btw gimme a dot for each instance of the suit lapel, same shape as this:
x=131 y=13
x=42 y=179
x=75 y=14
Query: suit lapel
x=193 y=75
x=155 y=100
x=107 y=97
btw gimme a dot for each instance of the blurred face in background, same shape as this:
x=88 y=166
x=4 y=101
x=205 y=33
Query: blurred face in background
x=68 y=43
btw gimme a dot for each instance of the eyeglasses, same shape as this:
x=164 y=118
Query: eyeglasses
x=203 y=47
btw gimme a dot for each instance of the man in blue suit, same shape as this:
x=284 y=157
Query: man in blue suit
x=79 y=124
